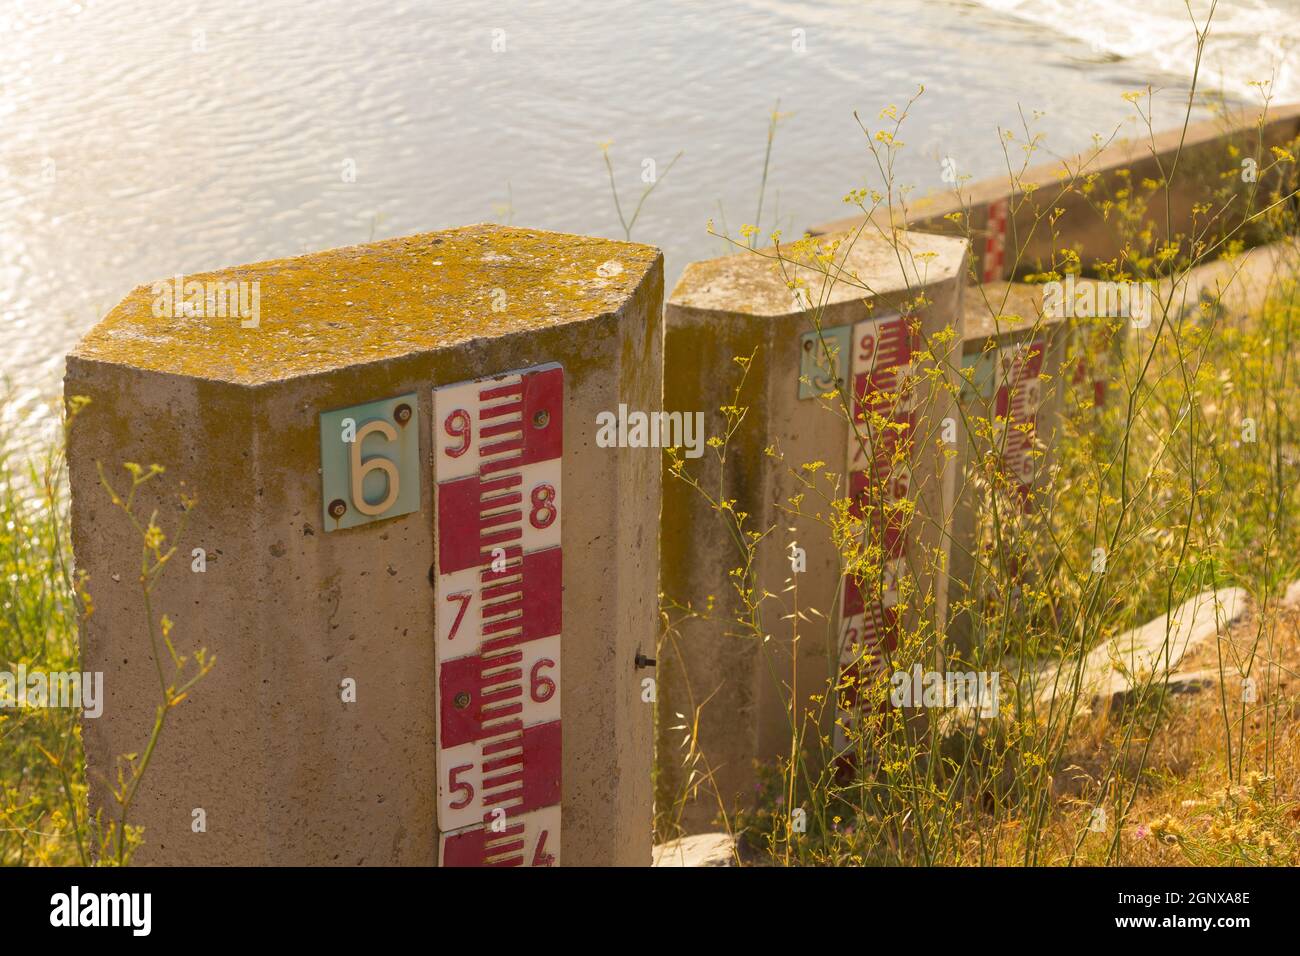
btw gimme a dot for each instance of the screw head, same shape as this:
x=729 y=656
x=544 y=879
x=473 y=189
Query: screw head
x=338 y=508
x=541 y=419
x=461 y=700
x=402 y=414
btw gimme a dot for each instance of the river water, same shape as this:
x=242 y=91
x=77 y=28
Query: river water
x=142 y=138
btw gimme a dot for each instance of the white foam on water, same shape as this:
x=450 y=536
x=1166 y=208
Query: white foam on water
x=1249 y=40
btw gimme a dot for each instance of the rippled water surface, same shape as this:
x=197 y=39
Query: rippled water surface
x=142 y=138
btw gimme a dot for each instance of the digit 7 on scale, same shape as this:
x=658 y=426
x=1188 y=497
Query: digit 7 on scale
x=498 y=446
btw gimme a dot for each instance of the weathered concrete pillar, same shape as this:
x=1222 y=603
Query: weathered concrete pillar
x=409 y=533
x=874 y=328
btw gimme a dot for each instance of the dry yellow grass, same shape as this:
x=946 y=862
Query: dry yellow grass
x=1213 y=791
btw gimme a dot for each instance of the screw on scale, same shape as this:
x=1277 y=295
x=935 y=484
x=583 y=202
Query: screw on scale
x=643 y=661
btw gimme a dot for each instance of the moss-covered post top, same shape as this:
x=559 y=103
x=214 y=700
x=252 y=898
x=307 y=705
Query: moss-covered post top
x=1005 y=308
x=865 y=265
x=310 y=314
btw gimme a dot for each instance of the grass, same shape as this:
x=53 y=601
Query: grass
x=47 y=814
x=43 y=794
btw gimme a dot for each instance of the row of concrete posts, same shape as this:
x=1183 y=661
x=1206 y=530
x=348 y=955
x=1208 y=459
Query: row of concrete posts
x=456 y=591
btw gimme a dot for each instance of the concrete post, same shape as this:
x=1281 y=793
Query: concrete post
x=383 y=449
x=876 y=319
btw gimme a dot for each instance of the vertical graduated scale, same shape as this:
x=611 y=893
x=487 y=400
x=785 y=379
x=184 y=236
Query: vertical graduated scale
x=1019 y=394
x=498 y=445
x=880 y=477
x=995 y=240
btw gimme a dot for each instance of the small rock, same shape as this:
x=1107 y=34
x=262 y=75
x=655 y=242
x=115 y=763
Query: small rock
x=1114 y=670
x=702 y=849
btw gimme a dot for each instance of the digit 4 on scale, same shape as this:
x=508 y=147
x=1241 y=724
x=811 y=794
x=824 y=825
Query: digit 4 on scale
x=498 y=446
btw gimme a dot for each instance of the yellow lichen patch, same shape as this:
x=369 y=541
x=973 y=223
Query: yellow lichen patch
x=372 y=302
x=759 y=282
x=997 y=308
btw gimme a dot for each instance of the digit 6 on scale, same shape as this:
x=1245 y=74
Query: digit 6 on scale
x=540 y=687
x=542 y=680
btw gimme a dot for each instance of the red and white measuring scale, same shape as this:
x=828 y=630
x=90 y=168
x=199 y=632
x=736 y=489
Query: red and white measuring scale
x=995 y=240
x=1019 y=394
x=881 y=369
x=498 y=445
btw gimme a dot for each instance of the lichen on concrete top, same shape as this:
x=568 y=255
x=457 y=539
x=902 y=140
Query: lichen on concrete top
x=378 y=301
x=999 y=308
x=866 y=265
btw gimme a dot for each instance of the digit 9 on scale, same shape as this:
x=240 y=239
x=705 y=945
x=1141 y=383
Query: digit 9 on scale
x=498 y=445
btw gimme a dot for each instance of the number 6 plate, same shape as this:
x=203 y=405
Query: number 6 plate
x=498 y=445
